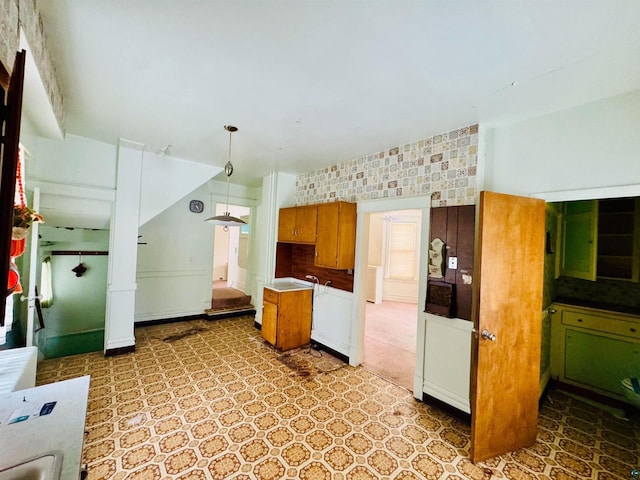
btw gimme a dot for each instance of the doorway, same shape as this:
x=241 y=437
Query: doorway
x=392 y=286
x=230 y=264
x=231 y=250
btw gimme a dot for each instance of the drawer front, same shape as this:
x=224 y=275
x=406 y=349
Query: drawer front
x=602 y=324
x=270 y=296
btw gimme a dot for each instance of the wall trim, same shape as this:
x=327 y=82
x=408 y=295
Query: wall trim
x=162 y=321
x=172 y=273
x=614 y=191
x=111 y=352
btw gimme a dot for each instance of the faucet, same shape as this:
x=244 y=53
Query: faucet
x=313 y=278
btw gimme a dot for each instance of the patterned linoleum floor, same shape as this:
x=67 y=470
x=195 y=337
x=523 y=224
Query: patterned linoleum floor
x=210 y=400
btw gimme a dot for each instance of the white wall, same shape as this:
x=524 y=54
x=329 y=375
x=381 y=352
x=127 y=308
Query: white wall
x=591 y=146
x=278 y=190
x=74 y=161
x=174 y=269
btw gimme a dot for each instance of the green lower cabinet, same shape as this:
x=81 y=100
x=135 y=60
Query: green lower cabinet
x=594 y=349
x=598 y=361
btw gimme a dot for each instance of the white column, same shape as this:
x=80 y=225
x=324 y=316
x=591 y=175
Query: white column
x=123 y=249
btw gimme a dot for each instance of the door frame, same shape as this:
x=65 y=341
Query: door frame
x=365 y=207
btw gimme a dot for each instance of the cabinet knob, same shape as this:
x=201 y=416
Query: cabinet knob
x=580 y=320
x=633 y=330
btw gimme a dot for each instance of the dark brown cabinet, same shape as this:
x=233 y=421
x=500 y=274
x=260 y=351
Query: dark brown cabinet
x=455 y=227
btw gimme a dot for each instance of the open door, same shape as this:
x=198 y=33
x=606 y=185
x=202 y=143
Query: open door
x=506 y=345
x=10 y=119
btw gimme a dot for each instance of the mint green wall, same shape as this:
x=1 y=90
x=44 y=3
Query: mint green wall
x=78 y=309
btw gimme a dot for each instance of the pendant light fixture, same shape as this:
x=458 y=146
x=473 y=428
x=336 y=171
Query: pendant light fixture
x=227 y=220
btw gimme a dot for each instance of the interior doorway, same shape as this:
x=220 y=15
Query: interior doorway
x=231 y=250
x=392 y=278
x=230 y=265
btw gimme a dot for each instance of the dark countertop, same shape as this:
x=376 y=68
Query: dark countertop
x=599 y=305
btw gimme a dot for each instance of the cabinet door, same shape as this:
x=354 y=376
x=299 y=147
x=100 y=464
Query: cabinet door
x=580 y=240
x=287 y=224
x=269 y=322
x=306 y=217
x=327 y=237
x=598 y=361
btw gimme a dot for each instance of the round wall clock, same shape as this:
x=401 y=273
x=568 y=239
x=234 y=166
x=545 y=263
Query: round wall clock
x=196 y=206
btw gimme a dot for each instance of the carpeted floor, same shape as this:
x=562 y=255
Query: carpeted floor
x=211 y=400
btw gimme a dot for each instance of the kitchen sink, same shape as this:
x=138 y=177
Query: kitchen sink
x=46 y=466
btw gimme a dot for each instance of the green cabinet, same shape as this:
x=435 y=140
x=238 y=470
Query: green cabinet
x=580 y=239
x=598 y=361
x=601 y=238
x=594 y=349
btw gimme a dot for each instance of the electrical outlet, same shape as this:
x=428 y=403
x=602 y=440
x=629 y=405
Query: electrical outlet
x=453 y=263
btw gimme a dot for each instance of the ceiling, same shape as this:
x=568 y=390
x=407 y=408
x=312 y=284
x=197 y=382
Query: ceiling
x=314 y=83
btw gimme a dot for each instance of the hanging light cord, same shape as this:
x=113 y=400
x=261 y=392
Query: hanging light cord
x=228 y=170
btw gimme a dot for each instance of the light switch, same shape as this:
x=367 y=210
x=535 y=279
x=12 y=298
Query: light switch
x=453 y=263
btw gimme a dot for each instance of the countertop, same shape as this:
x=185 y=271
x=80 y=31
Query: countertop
x=288 y=285
x=598 y=305
x=62 y=429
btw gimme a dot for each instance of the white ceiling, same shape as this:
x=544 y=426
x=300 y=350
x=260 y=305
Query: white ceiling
x=315 y=83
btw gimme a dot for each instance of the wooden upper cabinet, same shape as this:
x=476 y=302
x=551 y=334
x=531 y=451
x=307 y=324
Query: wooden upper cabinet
x=297 y=224
x=336 y=235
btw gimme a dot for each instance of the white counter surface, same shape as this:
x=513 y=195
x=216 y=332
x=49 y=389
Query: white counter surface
x=62 y=429
x=288 y=285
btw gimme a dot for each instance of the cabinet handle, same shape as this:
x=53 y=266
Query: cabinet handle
x=580 y=320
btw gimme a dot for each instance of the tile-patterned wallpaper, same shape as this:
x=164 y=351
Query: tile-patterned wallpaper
x=442 y=167
x=16 y=14
x=613 y=292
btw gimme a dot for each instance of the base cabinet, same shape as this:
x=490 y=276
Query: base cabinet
x=594 y=349
x=286 y=318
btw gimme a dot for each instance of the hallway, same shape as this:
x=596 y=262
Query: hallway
x=390 y=341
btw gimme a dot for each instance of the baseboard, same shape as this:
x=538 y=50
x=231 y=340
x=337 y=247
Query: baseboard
x=597 y=397
x=445 y=407
x=234 y=312
x=544 y=381
x=162 y=321
x=111 y=352
x=74 y=343
x=319 y=346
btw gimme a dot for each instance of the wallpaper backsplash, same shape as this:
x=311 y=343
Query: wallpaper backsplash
x=17 y=14
x=442 y=167
x=614 y=292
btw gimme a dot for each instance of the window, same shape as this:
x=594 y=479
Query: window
x=401 y=250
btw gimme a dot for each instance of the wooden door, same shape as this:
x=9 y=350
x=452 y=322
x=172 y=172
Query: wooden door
x=10 y=112
x=505 y=369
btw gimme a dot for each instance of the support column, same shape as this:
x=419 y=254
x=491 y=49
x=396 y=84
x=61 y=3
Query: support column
x=123 y=251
